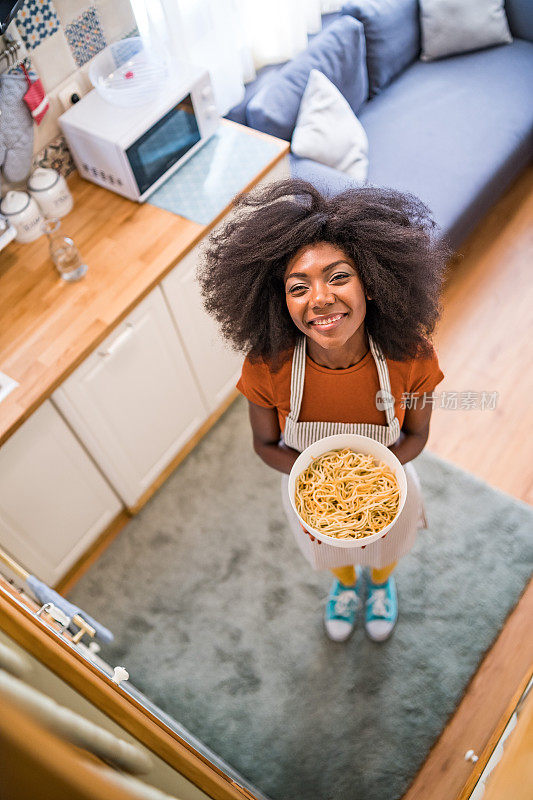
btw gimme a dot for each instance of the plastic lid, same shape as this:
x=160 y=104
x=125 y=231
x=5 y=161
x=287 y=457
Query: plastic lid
x=42 y=178
x=14 y=202
x=128 y=73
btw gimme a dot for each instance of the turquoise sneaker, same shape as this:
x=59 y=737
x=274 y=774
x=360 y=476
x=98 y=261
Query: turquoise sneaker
x=343 y=606
x=381 y=609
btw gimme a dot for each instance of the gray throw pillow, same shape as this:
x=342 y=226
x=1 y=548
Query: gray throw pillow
x=328 y=131
x=457 y=26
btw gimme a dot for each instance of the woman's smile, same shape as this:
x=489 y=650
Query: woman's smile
x=327 y=322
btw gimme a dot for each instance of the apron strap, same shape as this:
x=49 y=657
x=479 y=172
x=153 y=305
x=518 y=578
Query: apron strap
x=298 y=381
x=384 y=381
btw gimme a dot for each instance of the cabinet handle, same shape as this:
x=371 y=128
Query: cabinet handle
x=119 y=341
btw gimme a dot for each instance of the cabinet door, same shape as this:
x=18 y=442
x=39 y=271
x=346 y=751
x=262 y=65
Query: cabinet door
x=216 y=366
x=53 y=500
x=134 y=402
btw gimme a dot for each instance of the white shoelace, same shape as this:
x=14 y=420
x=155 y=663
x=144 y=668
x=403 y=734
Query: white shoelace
x=345 y=602
x=380 y=603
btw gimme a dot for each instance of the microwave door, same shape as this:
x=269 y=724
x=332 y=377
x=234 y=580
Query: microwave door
x=161 y=146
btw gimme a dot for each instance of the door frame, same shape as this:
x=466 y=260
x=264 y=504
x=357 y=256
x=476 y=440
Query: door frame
x=47 y=646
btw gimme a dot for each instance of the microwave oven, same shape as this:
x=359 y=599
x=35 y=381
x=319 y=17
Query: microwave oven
x=134 y=150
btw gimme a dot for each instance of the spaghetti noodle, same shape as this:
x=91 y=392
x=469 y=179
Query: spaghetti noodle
x=347 y=495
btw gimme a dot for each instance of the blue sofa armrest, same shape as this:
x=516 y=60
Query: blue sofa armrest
x=520 y=16
x=327 y=180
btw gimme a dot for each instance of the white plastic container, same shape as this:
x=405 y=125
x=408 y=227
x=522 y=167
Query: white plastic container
x=359 y=444
x=51 y=192
x=23 y=213
x=127 y=73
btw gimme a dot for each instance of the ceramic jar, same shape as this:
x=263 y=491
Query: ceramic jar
x=50 y=190
x=24 y=214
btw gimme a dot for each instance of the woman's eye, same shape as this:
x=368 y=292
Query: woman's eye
x=297 y=289
x=339 y=276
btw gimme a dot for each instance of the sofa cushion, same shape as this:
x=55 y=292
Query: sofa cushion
x=338 y=52
x=264 y=74
x=453 y=26
x=392 y=33
x=454 y=132
x=328 y=131
x=520 y=16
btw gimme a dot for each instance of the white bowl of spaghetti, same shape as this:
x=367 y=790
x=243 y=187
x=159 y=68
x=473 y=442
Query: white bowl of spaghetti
x=347 y=490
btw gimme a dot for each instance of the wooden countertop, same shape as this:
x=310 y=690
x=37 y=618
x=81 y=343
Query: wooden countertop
x=48 y=327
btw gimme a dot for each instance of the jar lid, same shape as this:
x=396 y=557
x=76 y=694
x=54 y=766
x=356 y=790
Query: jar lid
x=42 y=178
x=14 y=202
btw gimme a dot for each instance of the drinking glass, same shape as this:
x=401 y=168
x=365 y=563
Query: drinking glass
x=64 y=252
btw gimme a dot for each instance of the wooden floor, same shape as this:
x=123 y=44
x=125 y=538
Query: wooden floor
x=484 y=342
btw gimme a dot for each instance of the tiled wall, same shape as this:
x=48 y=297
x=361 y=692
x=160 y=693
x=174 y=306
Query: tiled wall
x=61 y=37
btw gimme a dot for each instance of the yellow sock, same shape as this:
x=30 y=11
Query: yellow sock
x=380 y=575
x=346 y=575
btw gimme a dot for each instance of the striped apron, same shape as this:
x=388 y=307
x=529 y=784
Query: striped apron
x=299 y=435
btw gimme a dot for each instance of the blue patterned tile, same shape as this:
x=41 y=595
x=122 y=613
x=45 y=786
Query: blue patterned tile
x=85 y=36
x=210 y=179
x=36 y=20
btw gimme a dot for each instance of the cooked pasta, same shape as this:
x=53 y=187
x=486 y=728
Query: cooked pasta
x=347 y=495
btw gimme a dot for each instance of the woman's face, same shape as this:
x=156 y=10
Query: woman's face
x=324 y=295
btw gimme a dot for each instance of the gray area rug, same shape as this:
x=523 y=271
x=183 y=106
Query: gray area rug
x=218 y=619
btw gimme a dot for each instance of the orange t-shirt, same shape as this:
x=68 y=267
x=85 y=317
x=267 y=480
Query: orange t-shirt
x=339 y=395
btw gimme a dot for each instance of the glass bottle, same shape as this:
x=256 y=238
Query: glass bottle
x=64 y=252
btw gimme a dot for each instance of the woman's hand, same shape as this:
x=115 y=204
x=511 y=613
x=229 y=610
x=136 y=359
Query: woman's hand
x=313 y=538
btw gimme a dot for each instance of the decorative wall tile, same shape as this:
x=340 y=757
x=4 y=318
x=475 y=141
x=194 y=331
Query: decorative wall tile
x=36 y=20
x=57 y=58
x=85 y=36
x=69 y=10
x=53 y=60
x=116 y=18
x=55 y=155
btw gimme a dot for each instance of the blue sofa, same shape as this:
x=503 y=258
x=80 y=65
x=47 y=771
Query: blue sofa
x=455 y=132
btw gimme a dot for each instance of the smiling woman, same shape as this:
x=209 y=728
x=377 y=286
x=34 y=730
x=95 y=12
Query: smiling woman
x=386 y=235
x=334 y=300
x=326 y=301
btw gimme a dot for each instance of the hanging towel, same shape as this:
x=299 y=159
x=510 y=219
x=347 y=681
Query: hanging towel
x=16 y=128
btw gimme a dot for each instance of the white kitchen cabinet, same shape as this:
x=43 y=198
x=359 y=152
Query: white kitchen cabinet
x=134 y=402
x=216 y=366
x=53 y=500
